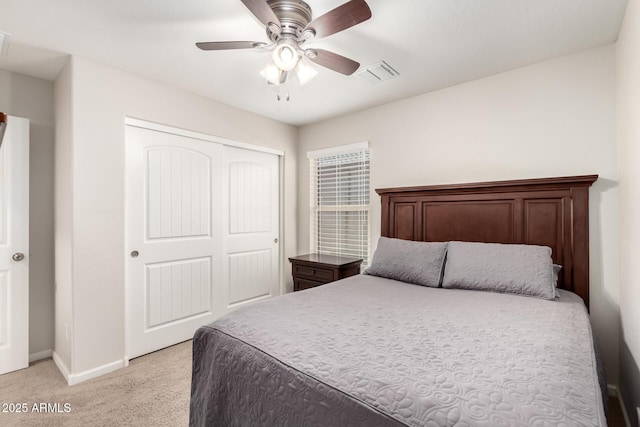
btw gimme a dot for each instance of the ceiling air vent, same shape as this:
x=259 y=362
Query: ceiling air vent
x=378 y=72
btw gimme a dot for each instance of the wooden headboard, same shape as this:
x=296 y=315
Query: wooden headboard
x=552 y=212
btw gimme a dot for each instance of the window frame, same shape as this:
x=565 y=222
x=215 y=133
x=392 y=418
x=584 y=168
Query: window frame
x=364 y=239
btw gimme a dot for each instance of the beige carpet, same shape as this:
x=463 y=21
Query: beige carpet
x=152 y=391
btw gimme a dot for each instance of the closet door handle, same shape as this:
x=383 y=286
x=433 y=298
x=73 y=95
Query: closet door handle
x=18 y=256
x=134 y=254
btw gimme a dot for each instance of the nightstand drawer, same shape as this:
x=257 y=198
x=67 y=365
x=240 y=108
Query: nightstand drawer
x=302 y=284
x=315 y=273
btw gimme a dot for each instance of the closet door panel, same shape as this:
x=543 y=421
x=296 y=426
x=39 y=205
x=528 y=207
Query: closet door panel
x=174 y=238
x=251 y=226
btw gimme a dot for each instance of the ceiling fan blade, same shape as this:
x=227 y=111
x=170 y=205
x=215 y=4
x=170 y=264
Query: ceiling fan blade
x=263 y=12
x=227 y=45
x=334 y=62
x=3 y=125
x=340 y=18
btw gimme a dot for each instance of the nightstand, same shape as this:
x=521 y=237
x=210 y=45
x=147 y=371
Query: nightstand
x=313 y=270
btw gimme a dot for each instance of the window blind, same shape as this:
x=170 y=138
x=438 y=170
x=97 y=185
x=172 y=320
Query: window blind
x=340 y=202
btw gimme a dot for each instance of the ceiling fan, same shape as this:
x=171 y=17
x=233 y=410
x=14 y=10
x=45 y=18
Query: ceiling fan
x=289 y=26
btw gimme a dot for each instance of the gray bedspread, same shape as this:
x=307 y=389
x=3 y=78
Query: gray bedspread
x=370 y=351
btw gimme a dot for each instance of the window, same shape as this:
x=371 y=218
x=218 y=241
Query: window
x=340 y=201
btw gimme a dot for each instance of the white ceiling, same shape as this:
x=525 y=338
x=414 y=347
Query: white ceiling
x=432 y=44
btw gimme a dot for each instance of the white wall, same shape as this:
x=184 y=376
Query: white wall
x=101 y=98
x=628 y=68
x=555 y=118
x=63 y=219
x=31 y=98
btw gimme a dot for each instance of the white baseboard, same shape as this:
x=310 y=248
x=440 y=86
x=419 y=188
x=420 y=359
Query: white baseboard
x=73 y=379
x=61 y=366
x=615 y=392
x=46 y=354
x=96 y=372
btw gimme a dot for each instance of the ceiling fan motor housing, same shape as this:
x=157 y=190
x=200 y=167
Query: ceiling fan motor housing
x=294 y=15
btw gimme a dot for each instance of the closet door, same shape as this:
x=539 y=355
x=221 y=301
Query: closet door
x=251 y=226
x=14 y=246
x=174 y=238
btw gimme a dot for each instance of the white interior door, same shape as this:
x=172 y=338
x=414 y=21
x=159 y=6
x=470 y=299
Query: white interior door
x=14 y=246
x=173 y=243
x=251 y=226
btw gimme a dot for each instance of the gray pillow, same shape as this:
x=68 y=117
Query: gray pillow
x=556 y=272
x=516 y=269
x=419 y=263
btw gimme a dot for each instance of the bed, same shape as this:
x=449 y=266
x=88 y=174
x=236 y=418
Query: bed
x=371 y=350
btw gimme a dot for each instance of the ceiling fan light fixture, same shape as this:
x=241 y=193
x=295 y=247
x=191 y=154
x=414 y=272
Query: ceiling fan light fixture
x=286 y=55
x=305 y=72
x=272 y=73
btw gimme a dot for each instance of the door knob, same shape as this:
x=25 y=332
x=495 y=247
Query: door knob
x=275 y=240
x=18 y=256
x=134 y=254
